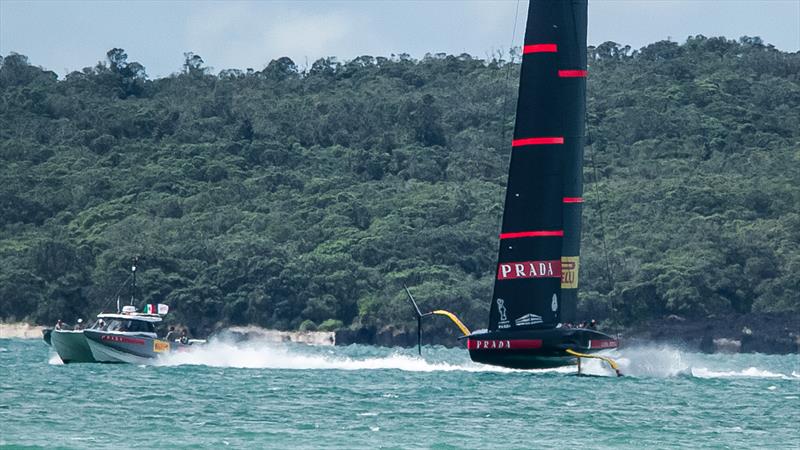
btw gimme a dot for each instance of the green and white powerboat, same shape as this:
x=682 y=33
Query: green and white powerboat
x=127 y=336
x=130 y=337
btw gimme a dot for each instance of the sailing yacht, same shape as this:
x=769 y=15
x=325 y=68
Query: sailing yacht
x=536 y=279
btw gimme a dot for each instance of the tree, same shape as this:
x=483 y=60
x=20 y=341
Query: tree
x=193 y=65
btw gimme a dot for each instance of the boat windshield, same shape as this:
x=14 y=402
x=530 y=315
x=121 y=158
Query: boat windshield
x=134 y=326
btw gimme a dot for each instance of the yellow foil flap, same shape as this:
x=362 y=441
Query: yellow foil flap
x=569 y=272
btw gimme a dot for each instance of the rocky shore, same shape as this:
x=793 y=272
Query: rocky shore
x=751 y=333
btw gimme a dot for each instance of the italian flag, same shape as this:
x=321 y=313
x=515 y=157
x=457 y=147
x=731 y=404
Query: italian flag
x=150 y=309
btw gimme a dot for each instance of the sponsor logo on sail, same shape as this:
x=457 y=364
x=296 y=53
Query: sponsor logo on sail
x=528 y=319
x=503 y=323
x=569 y=272
x=529 y=269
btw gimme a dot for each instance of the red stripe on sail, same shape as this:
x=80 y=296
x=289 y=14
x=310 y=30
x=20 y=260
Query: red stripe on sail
x=503 y=344
x=537 y=141
x=573 y=199
x=523 y=234
x=539 y=48
x=572 y=73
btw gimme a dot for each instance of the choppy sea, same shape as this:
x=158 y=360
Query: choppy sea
x=289 y=396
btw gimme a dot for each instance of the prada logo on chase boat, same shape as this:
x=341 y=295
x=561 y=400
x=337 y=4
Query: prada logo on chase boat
x=122 y=339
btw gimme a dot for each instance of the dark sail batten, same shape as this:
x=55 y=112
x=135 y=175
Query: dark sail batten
x=539 y=246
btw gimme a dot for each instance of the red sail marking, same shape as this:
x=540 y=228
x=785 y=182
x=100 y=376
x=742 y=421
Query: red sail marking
x=529 y=269
x=573 y=73
x=573 y=199
x=539 y=48
x=522 y=234
x=503 y=344
x=537 y=141
x=602 y=343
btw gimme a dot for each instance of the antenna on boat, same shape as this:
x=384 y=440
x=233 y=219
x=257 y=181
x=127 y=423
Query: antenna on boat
x=133 y=270
x=419 y=318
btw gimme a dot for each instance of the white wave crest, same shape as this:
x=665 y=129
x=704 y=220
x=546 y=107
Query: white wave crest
x=54 y=360
x=664 y=361
x=268 y=355
x=750 y=372
x=653 y=361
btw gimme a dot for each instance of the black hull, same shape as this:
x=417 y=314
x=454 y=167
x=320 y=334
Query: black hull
x=536 y=349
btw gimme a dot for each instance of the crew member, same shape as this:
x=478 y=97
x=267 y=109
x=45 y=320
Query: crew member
x=170 y=334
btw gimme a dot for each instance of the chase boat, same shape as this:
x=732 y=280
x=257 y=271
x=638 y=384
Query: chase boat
x=130 y=337
x=126 y=336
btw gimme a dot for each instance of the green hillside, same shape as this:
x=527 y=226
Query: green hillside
x=288 y=195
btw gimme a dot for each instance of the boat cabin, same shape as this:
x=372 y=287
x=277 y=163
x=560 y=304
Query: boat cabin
x=134 y=323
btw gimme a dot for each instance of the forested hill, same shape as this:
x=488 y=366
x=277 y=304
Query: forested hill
x=291 y=197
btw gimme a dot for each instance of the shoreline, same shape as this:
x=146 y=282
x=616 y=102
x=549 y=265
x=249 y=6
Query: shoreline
x=20 y=330
x=23 y=330
x=768 y=333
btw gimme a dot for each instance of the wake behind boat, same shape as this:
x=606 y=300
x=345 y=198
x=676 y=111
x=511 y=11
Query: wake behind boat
x=536 y=280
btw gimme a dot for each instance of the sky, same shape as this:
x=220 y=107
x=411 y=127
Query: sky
x=67 y=35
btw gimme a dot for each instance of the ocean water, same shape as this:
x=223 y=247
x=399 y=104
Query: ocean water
x=259 y=395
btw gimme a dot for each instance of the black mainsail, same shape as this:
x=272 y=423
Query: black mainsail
x=537 y=274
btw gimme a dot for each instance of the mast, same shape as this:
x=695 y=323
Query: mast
x=537 y=274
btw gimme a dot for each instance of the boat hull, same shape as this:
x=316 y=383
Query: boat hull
x=115 y=347
x=536 y=349
x=71 y=346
